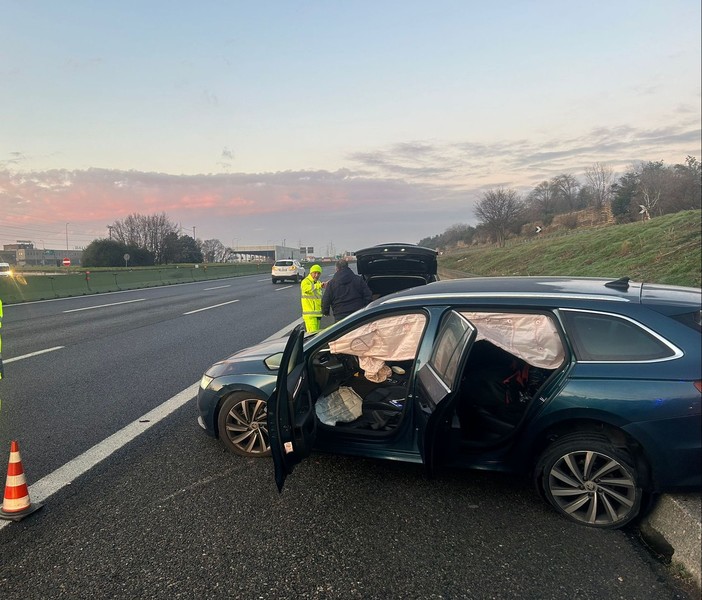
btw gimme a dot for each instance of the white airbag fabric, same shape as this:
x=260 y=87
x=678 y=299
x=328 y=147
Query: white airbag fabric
x=393 y=338
x=533 y=338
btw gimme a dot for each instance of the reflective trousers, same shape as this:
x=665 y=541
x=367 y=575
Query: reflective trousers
x=312 y=323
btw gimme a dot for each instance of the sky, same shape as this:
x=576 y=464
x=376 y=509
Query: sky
x=336 y=124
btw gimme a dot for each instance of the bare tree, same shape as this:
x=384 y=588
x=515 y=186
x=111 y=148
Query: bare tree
x=145 y=231
x=542 y=201
x=599 y=177
x=566 y=188
x=214 y=251
x=499 y=212
x=654 y=178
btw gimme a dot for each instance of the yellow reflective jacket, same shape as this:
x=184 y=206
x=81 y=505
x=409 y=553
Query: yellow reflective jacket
x=311 y=296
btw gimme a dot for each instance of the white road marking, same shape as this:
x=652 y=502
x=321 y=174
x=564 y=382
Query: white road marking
x=284 y=331
x=286 y=287
x=103 y=305
x=209 y=307
x=219 y=287
x=263 y=280
x=37 y=353
x=156 y=287
x=65 y=475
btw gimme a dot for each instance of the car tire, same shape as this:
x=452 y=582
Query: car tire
x=274 y=280
x=243 y=426
x=591 y=481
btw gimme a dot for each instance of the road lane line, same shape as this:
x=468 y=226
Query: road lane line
x=284 y=331
x=103 y=305
x=286 y=287
x=65 y=475
x=37 y=353
x=209 y=307
x=156 y=287
x=219 y=287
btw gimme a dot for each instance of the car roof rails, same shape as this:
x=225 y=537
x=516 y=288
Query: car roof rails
x=619 y=284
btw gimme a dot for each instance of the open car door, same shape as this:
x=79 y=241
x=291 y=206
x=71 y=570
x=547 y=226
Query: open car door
x=439 y=381
x=292 y=424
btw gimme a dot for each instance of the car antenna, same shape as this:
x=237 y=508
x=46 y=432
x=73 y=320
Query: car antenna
x=620 y=284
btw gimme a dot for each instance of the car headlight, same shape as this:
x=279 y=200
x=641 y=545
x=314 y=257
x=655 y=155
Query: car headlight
x=205 y=381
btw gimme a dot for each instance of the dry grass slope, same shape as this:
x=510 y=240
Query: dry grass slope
x=666 y=250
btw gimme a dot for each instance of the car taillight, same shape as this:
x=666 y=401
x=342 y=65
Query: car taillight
x=698 y=385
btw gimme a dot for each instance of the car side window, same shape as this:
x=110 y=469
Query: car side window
x=449 y=346
x=608 y=338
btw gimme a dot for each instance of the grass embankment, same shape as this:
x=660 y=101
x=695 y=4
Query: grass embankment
x=665 y=250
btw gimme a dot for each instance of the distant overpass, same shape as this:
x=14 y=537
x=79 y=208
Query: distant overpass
x=266 y=253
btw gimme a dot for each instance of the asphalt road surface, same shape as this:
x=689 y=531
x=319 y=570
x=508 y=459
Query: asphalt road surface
x=171 y=515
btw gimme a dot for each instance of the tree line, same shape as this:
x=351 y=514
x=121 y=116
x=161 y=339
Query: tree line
x=151 y=240
x=645 y=190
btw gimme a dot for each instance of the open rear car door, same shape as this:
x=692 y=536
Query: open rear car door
x=292 y=425
x=439 y=381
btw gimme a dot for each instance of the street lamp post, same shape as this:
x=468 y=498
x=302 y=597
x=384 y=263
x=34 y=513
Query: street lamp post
x=67 y=224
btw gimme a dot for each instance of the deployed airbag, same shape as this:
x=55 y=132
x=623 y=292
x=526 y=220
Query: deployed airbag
x=531 y=337
x=392 y=338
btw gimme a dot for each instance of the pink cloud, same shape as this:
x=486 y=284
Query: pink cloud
x=90 y=200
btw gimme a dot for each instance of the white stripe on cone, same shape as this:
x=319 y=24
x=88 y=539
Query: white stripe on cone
x=15 y=484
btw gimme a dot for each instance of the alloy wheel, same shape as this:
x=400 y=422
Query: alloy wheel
x=246 y=427
x=593 y=488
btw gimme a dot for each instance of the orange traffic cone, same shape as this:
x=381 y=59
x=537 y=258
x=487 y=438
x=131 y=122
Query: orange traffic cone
x=16 y=504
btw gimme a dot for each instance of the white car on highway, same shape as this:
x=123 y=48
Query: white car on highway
x=289 y=268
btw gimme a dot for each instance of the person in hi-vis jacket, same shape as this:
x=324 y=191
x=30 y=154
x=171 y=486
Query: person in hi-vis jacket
x=311 y=297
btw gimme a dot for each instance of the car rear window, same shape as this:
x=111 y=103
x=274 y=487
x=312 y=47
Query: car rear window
x=607 y=338
x=284 y=263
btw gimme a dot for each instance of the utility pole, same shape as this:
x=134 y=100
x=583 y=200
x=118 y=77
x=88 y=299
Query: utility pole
x=67 y=224
x=194 y=233
x=109 y=228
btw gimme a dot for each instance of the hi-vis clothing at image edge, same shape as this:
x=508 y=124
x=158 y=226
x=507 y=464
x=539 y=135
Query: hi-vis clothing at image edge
x=311 y=297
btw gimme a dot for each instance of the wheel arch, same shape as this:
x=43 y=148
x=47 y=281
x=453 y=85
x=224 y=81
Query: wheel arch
x=614 y=433
x=241 y=388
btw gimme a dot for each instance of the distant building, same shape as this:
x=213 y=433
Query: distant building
x=36 y=257
x=24 y=254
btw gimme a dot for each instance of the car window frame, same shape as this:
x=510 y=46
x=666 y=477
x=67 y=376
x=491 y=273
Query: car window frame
x=578 y=348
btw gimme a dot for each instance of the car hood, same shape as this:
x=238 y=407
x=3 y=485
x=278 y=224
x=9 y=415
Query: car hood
x=248 y=360
x=396 y=259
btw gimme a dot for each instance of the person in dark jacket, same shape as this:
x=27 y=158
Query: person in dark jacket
x=345 y=293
